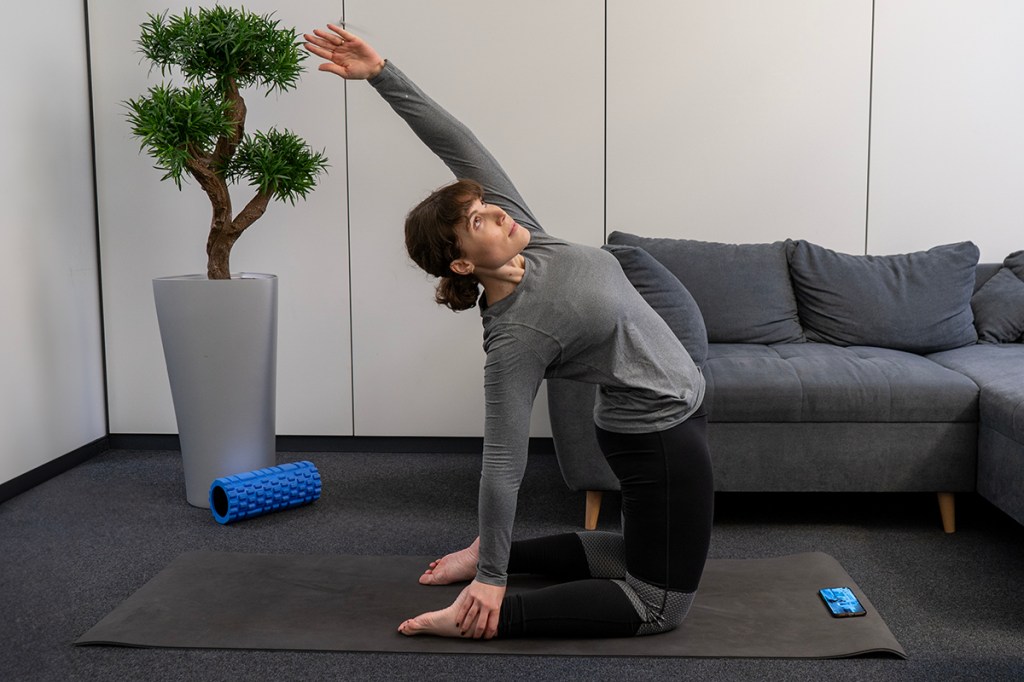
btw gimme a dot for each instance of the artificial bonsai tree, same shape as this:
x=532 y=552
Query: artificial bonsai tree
x=199 y=129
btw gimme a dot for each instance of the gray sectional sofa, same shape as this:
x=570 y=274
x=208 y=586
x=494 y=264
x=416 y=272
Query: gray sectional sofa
x=832 y=372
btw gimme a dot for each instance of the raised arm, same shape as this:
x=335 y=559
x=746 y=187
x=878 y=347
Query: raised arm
x=352 y=58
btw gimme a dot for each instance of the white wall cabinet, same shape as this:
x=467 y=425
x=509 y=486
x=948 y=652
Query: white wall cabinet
x=739 y=121
x=947 y=153
x=149 y=229
x=527 y=78
x=723 y=120
x=51 y=360
x=879 y=127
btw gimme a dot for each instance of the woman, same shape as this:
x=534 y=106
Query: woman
x=552 y=309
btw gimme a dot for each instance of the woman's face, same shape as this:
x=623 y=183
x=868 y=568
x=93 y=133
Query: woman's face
x=490 y=238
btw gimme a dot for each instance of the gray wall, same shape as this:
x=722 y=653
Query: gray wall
x=947 y=152
x=51 y=366
x=149 y=229
x=731 y=120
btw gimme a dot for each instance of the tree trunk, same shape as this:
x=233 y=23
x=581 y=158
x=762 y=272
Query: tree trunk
x=222 y=236
x=218 y=251
x=226 y=146
x=209 y=172
x=224 y=232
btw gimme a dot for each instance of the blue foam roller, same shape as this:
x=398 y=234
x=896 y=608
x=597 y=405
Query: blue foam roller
x=253 y=493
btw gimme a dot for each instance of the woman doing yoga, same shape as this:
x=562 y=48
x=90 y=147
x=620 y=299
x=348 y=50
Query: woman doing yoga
x=552 y=309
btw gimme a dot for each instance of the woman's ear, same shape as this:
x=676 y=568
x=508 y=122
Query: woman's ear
x=461 y=266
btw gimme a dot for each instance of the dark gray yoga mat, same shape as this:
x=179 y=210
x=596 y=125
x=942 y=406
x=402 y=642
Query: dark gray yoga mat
x=744 y=608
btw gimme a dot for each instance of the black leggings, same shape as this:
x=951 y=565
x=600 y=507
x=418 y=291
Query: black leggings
x=640 y=582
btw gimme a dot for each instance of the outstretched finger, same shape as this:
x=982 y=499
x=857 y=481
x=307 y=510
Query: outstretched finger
x=328 y=37
x=331 y=67
x=342 y=33
x=318 y=51
x=317 y=40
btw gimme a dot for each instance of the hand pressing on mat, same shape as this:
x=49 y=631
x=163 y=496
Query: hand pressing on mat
x=474 y=614
x=478 y=613
x=453 y=568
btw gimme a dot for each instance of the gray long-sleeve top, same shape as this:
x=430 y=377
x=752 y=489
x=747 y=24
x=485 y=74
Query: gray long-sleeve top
x=574 y=315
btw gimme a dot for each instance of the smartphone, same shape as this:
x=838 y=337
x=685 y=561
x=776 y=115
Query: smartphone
x=841 y=602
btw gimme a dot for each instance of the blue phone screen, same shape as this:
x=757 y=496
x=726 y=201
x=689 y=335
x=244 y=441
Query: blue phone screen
x=841 y=601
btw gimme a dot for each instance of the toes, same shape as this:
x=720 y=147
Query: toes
x=428 y=578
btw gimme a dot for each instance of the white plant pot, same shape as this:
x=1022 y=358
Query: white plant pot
x=220 y=345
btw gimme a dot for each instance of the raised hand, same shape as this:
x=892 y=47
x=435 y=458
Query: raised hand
x=347 y=55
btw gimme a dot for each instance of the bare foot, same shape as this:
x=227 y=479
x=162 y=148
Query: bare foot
x=440 y=623
x=453 y=568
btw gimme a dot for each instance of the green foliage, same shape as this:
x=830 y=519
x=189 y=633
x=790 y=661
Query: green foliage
x=277 y=163
x=224 y=46
x=172 y=122
x=220 y=51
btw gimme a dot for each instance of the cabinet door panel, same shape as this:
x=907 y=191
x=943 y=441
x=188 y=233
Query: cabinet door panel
x=149 y=229
x=745 y=122
x=527 y=78
x=947 y=160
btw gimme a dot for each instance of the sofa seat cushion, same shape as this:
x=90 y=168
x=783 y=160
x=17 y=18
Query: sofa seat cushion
x=817 y=382
x=996 y=368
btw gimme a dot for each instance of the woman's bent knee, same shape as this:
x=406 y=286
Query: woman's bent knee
x=660 y=610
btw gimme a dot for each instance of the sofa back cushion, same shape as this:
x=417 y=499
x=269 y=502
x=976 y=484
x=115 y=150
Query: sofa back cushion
x=743 y=290
x=666 y=294
x=998 y=304
x=918 y=302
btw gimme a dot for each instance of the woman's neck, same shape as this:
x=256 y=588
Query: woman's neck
x=501 y=283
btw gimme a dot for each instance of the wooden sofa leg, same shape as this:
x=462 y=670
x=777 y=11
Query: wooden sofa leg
x=947 y=507
x=593 y=509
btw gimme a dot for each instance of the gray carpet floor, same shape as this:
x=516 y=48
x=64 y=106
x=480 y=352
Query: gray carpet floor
x=76 y=546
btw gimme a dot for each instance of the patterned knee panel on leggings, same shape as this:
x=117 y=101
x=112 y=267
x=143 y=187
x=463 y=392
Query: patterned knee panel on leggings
x=605 y=552
x=660 y=610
